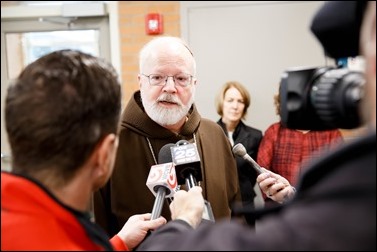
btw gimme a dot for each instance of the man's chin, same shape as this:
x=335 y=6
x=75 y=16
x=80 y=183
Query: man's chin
x=166 y=123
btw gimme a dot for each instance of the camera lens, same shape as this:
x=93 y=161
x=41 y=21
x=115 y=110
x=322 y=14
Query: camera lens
x=321 y=98
x=335 y=97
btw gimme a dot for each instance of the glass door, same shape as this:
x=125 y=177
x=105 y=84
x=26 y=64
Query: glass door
x=25 y=40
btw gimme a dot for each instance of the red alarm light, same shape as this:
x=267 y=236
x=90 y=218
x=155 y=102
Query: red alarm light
x=154 y=24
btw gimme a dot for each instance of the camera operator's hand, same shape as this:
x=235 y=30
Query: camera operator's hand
x=275 y=186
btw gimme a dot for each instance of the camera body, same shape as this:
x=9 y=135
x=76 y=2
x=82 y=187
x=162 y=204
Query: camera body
x=327 y=97
x=321 y=98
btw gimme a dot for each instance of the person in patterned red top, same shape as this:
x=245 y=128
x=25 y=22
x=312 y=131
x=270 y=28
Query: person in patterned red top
x=285 y=151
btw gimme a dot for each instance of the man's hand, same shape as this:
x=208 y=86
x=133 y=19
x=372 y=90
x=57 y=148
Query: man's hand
x=188 y=206
x=136 y=228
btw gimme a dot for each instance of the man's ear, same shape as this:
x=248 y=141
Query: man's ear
x=104 y=158
x=194 y=81
x=139 y=80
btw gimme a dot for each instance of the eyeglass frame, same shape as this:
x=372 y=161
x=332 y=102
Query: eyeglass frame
x=163 y=82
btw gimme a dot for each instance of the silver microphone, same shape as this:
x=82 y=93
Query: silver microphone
x=240 y=151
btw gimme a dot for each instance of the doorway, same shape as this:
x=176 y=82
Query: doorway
x=23 y=40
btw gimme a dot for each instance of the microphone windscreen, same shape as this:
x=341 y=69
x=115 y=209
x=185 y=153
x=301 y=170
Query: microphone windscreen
x=164 y=156
x=239 y=150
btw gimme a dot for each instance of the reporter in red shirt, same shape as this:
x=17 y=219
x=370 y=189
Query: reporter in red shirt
x=62 y=117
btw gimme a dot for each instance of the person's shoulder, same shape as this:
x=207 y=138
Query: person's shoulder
x=209 y=123
x=274 y=127
x=251 y=129
x=210 y=127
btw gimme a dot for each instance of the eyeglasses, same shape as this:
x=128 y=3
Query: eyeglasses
x=181 y=79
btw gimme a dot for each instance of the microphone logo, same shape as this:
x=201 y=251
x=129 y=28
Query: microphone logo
x=186 y=158
x=154 y=175
x=163 y=175
x=185 y=154
x=172 y=180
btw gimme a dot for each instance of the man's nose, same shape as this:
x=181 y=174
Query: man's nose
x=169 y=84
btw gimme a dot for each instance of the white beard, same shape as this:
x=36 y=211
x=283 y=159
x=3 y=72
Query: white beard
x=165 y=116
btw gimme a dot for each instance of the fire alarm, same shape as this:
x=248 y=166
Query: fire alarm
x=153 y=24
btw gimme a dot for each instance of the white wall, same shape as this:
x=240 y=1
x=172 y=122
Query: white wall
x=250 y=42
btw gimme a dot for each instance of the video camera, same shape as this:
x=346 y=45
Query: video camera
x=327 y=97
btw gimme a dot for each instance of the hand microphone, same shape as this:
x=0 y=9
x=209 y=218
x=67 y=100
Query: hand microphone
x=188 y=170
x=240 y=151
x=162 y=180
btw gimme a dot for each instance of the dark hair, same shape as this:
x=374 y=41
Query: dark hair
x=277 y=104
x=58 y=109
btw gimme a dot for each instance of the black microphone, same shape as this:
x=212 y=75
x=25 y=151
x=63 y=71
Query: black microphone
x=162 y=180
x=187 y=163
x=188 y=170
x=240 y=151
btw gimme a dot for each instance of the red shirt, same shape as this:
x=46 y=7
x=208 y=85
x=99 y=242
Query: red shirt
x=284 y=151
x=33 y=219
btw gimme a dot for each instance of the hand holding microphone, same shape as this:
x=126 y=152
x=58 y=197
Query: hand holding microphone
x=137 y=227
x=188 y=206
x=273 y=185
x=162 y=180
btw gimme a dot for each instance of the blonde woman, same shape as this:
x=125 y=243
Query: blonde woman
x=232 y=103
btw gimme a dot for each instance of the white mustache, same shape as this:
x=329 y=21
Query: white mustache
x=169 y=98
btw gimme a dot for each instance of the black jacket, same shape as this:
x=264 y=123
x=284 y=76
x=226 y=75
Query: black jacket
x=250 y=138
x=334 y=209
